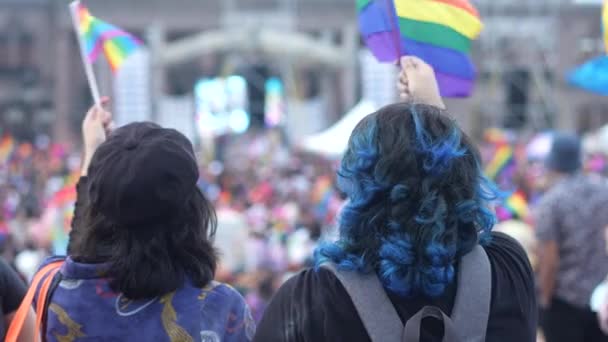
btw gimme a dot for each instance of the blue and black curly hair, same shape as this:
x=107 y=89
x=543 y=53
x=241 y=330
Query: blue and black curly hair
x=417 y=200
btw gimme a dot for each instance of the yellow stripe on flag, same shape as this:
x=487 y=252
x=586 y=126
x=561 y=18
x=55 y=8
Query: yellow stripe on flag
x=605 y=23
x=113 y=54
x=85 y=20
x=440 y=13
x=519 y=205
x=500 y=159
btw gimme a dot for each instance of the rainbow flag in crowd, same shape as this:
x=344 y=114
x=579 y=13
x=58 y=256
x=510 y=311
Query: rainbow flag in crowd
x=67 y=194
x=495 y=136
x=500 y=168
x=438 y=31
x=323 y=198
x=99 y=36
x=503 y=158
x=7 y=147
x=517 y=205
x=321 y=188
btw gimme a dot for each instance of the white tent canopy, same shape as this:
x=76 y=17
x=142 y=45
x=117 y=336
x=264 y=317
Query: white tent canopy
x=334 y=141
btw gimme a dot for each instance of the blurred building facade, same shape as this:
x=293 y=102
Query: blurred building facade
x=525 y=51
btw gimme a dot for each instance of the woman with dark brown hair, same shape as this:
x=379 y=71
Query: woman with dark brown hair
x=141 y=261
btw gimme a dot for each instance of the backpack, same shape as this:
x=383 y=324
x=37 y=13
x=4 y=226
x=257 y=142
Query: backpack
x=470 y=313
x=45 y=281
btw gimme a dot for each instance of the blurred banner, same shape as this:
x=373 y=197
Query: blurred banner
x=222 y=105
x=275 y=102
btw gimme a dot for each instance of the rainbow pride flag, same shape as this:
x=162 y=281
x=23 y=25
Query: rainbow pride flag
x=503 y=157
x=438 y=31
x=495 y=136
x=517 y=206
x=99 y=36
x=7 y=147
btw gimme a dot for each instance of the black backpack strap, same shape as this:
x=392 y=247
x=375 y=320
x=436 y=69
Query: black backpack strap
x=469 y=319
x=473 y=296
x=411 y=333
x=373 y=305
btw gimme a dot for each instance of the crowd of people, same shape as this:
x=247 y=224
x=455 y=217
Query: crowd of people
x=37 y=195
x=408 y=200
x=273 y=205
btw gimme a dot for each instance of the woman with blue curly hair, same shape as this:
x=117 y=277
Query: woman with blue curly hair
x=416 y=246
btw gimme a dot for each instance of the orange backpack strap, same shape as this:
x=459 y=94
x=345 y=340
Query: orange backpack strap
x=45 y=275
x=43 y=296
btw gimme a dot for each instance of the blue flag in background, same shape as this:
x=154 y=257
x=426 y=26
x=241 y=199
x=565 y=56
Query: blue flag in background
x=591 y=76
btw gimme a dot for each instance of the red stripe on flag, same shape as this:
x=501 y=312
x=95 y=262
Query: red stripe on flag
x=462 y=4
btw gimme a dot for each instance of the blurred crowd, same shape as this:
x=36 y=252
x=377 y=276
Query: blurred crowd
x=37 y=193
x=517 y=164
x=274 y=202
x=273 y=205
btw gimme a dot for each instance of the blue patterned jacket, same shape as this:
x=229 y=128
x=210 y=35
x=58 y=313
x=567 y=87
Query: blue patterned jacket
x=84 y=308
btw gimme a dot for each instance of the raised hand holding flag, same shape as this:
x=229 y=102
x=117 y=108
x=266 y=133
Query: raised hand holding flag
x=437 y=31
x=96 y=36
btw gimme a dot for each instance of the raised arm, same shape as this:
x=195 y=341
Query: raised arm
x=95 y=128
x=417 y=82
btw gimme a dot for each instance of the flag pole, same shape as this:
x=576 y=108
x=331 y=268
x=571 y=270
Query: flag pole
x=88 y=68
x=396 y=34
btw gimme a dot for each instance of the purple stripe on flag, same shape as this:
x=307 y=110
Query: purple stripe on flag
x=94 y=54
x=382 y=45
x=452 y=86
x=444 y=60
x=395 y=31
x=447 y=61
x=104 y=37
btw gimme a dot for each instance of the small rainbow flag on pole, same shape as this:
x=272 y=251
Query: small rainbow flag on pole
x=99 y=36
x=95 y=36
x=437 y=31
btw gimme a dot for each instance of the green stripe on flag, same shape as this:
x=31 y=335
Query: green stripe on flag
x=362 y=3
x=434 y=34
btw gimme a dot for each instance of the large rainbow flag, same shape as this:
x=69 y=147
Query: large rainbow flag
x=99 y=36
x=438 y=31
